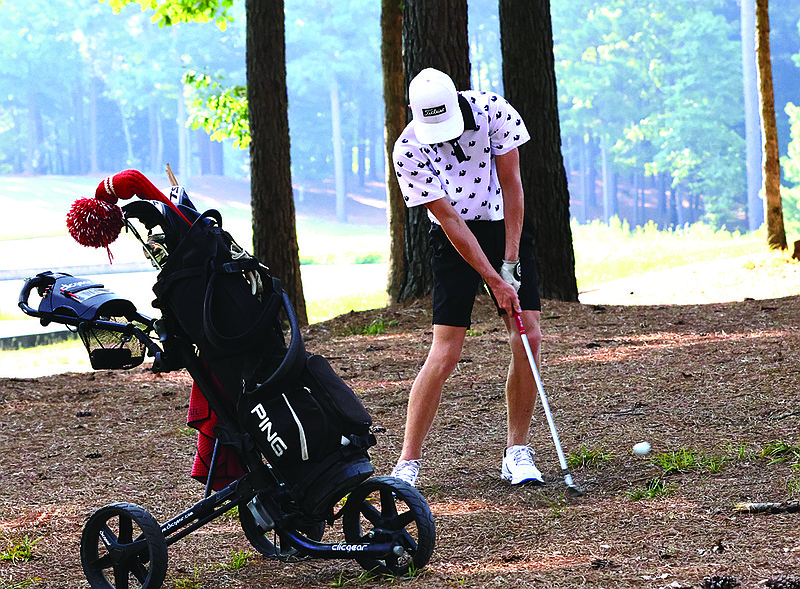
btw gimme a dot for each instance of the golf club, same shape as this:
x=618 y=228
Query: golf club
x=572 y=488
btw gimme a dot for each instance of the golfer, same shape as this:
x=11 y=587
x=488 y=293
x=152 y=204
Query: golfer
x=458 y=158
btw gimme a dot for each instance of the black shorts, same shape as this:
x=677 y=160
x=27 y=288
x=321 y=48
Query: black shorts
x=455 y=282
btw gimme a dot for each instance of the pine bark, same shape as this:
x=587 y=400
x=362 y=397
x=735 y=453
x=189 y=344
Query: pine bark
x=394 y=121
x=530 y=86
x=274 y=229
x=434 y=35
x=755 y=207
x=776 y=234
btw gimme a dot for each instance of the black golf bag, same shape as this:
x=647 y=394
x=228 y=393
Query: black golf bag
x=281 y=437
x=290 y=404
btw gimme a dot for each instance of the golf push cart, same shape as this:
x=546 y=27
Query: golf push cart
x=291 y=435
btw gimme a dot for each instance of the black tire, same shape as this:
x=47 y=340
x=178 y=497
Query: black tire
x=122 y=547
x=386 y=509
x=269 y=543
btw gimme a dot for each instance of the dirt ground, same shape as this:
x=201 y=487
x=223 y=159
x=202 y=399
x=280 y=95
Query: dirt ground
x=716 y=381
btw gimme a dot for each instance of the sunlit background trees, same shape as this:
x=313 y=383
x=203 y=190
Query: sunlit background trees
x=651 y=98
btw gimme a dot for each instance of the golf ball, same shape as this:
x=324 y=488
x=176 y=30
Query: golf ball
x=641 y=448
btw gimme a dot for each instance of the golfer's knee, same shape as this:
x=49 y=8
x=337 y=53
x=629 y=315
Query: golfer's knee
x=443 y=360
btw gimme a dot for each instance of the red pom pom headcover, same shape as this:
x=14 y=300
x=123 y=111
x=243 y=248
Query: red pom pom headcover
x=97 y=222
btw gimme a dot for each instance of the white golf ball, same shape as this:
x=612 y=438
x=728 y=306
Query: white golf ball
x=641 y=448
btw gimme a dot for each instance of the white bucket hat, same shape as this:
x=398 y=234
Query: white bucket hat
x=434 y=105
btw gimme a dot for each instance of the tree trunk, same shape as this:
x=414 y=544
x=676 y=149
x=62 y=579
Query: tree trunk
x=755 y=206
x=608 y=208
x=776 y=234
x=591 y=171
x=584 y=155
x=126 y=133
x=394 y=120
x=184 y=147
x=435 y=35
x=680 y=218
x=203 y=142
x=33 y=158
x=274 y=229
x=216 y=158
x=530 y=85
x=338 y=159
x=79 y=135
x=94 y=159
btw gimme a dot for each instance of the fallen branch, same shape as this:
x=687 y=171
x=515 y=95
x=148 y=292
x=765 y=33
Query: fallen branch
x=787 y=507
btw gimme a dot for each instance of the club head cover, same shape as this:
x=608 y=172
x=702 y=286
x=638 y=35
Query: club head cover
x=97 y=222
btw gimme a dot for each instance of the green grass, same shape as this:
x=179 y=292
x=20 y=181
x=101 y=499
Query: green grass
x=324 y=242
x=687 y=459
x=18 y=550
x=322 y=309
x=654 y=489
x=376 y=327
x=609 y=252
x=24 y=584
x=793 y=485
x=239 y=560
x=68 y=356
x=192 y=582
x=588 y=457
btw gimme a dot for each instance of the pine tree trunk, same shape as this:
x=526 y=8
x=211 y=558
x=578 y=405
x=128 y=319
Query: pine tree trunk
x=755 y=207
x=338 y=158
x=584 y=147
x=776 y=234
x=608 y=209
x=530 y=85
x=395 y=121
x=435 y=35
x=274 y=229
x=94 y=158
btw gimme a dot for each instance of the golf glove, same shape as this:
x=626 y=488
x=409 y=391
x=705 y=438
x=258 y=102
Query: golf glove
x=511 y=274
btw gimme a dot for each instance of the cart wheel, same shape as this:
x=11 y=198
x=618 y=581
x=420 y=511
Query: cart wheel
x=386 y=509
x=122 y=547
x=268 y=543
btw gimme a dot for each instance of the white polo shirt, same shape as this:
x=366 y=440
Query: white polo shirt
x=430 y=172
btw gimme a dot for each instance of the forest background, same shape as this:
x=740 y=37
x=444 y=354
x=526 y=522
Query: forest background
x=651 y=98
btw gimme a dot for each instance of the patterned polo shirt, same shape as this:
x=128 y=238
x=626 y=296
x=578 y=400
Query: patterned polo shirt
x=468 y=179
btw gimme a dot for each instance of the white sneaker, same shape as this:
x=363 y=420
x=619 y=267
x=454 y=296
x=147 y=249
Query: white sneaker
x=518 y=466
x=407 y=470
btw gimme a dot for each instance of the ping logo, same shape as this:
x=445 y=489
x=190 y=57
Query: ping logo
x=276 y=443
x=434 y=111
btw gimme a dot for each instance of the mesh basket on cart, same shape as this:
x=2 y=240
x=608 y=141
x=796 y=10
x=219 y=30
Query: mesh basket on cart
x=111 y=349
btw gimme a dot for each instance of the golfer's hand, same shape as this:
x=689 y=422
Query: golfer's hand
x=506 y=297
x=511 y=273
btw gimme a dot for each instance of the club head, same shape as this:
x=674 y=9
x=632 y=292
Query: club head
x=574 y=491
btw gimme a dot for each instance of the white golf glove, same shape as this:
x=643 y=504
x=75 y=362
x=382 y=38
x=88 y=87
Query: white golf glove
x=511 y=274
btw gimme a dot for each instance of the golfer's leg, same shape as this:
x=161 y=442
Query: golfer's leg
x=426 y=391
x=521 y=392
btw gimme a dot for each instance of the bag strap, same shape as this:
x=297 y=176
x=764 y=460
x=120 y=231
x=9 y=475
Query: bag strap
x=167 y=277
x=251 y=335
x=163 y=284
x=294 y=360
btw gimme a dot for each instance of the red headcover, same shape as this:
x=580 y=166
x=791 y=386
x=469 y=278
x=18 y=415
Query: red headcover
x=97 y=222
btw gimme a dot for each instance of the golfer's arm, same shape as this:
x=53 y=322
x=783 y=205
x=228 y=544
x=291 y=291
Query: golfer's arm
x=463 y=240
x=507 y=166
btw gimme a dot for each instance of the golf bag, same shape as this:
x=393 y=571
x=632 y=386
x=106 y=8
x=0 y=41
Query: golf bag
x=290 y=404
x=282 y=439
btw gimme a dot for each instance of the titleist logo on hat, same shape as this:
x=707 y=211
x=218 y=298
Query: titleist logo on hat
x=434 y=111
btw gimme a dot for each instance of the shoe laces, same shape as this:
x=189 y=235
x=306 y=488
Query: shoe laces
x=409 y=468
x=522 y=456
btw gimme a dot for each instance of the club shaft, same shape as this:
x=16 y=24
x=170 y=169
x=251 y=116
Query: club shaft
x=561 y=459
